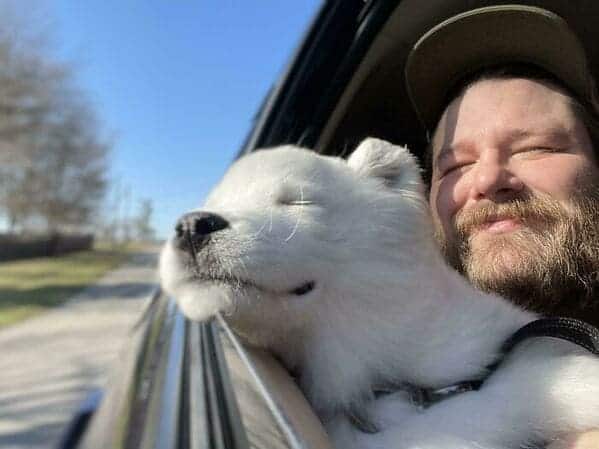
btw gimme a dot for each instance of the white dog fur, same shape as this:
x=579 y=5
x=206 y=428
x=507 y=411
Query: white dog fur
x=385 y=308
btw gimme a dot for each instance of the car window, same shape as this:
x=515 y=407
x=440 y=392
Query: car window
x=194 y=385
x=273 y=409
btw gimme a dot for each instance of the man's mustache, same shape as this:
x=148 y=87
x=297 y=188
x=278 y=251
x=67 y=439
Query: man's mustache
x=530 y=211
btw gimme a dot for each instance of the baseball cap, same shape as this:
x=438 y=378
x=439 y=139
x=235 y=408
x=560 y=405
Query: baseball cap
x=491 y=36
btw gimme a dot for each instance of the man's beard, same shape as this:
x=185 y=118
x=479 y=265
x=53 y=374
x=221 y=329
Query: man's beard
x=549 y=265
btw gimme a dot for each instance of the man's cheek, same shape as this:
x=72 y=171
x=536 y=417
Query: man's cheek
x=445 y=235
x=443 y=207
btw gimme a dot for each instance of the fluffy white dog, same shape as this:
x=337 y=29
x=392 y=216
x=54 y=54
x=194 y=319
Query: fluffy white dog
x=331 y=265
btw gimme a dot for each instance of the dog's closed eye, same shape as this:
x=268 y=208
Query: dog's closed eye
x=296 y=202
x=295 y=197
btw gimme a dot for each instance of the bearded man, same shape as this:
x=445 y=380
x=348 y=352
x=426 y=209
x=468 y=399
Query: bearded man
x=513 y=158
x=514 y=192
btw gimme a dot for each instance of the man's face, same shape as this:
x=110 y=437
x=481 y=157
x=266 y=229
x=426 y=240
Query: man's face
x=513 y=168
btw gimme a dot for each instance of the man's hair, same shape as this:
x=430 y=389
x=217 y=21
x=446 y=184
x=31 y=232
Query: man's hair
x=585 y=109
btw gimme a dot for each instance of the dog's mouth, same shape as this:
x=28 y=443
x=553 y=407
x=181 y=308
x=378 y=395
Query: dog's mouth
x=304 y=289
x=239 y=284
x=215 y=276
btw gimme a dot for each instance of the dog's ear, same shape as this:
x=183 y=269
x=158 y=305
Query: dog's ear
x=394 y=164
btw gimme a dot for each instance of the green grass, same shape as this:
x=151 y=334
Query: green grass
x=31 y=286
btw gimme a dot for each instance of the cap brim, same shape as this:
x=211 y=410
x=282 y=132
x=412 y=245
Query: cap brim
x=487 y=37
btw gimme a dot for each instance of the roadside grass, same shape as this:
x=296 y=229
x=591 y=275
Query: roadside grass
x=31 y=286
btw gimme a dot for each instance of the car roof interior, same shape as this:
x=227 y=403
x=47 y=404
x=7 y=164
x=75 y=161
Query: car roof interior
x=375 y=101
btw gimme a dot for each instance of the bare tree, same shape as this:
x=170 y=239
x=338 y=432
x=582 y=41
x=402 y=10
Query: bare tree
x=74 y=158
x=143 y=222
x=53 y=156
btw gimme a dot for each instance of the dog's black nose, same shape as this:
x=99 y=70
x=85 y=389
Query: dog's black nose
x=192 y=229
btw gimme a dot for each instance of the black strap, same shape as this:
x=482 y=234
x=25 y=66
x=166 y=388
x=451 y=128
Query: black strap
x=425 y=397
x=570 y=329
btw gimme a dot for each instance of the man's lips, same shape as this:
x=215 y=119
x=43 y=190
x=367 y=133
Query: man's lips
x=500 y=225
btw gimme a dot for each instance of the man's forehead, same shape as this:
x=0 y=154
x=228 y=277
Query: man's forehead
x=513 y=107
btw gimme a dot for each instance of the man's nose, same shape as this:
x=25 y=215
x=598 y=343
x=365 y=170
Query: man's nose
x=494 y=180
x=193 y=229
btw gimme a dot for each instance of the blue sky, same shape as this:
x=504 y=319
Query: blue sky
x=177 y=83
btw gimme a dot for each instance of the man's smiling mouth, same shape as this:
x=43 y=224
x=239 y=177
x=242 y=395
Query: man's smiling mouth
x=501 y=225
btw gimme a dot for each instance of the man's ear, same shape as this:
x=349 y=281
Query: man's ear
x=394 y=164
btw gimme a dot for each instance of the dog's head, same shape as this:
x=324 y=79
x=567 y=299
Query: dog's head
x=289 y=236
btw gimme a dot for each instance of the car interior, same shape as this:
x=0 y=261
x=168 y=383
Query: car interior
x=194 y=385
x=375 y=100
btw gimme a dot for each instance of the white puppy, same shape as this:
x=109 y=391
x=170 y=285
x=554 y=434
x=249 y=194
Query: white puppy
x=331 y=265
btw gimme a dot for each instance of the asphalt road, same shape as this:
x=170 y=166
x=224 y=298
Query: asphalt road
x=48 y=364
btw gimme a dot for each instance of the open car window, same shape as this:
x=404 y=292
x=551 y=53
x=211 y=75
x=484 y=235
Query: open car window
x=273 y=409
x=184 y=384
x=193 y=385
